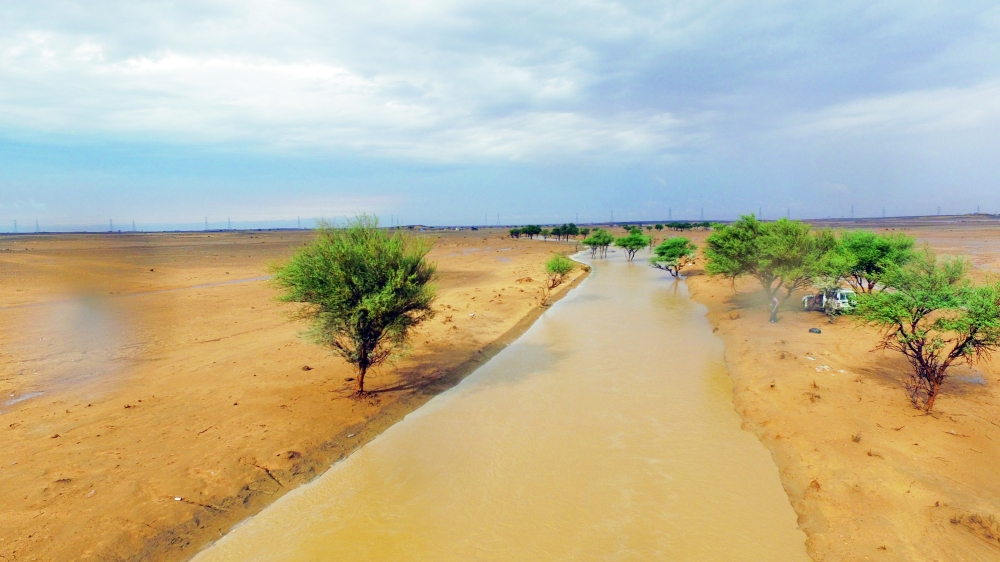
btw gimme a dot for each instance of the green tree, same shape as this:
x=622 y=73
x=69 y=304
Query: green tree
x=673 y=255
x=545 y=232
x=598 y=242
x=780 y=254
x=531 y=230
x=557 y=268
x=515 y=232
x=934 y=316
x=659 y=227
x=584 y=232
x=632 y=243
x=863 y=258
x=362 y=289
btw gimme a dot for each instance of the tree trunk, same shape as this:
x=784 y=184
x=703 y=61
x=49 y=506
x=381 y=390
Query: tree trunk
x=932 y=392
x=361 y=379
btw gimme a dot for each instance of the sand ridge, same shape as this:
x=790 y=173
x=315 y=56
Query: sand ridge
x=176 y=397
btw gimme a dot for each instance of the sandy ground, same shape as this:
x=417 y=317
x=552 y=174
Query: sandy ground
x=870 y=477
x=153 y=393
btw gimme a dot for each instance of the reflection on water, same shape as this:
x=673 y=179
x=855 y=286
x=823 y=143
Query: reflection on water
x=606 y=432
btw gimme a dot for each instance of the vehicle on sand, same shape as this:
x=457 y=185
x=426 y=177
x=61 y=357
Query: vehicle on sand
x=830 y=301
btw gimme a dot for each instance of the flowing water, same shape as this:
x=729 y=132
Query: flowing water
x=606 y=432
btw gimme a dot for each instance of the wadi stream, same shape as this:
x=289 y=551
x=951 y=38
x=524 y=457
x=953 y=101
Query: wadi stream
x=606 y=432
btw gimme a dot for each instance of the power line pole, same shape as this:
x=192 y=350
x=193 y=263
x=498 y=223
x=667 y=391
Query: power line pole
x=852 y=211
x=788 y=213
x=37 y=230
x=939 y=209
x=111 y=225
x=15 y=227
x=229 y=224
x=133 y=225
x=883 y=212
x=703 y=214
x=670 y=213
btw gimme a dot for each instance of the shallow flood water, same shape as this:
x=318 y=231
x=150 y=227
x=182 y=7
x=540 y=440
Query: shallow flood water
x=606 y=432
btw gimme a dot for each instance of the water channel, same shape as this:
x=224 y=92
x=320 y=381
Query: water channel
x=606 y=432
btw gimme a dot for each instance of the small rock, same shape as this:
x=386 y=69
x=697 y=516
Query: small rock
x=815 y=331
x=307 y=368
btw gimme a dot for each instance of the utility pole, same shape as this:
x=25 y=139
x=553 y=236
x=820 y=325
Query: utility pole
x=703 y=214
x=37 y=230
x=852 y=211
x=111 y=225
x=788 y=213
x=670 y=213
x=15 y=227
x=133 y=225
x=883 y=212
x=229 y=224
x=298 y=221
x=612 y=216
x=939 y=209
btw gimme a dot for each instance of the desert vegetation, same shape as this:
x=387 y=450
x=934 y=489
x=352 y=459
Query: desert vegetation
x=632 y=243
x=598 y=241
x=930 y=311
x=673 y=254
x=557 y=268
x=927 y=309
x=362 y=289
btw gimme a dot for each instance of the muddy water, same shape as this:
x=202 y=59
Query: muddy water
x=606 y=432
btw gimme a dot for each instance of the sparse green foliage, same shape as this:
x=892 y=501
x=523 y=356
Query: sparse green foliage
x=362 y=288
x=545 y=232
x=632 y=243
x=863 y=258
x=565 y=231
x=780 y=254
x=673 y=255
x=932 y=314
x=531 y=230
x=598 y=242
x=516 y=232
x=584 y=232
x=558 y=267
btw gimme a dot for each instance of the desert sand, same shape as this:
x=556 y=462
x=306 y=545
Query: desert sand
x=870 y=477
x=154 y=392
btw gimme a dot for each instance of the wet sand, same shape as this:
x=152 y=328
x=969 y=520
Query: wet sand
x=870 y=477
x=606 y=432
x=139 y=369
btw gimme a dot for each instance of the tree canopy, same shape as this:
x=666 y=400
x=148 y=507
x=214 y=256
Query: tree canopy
x=673 y=254
x=598 y=242
x=932 y=314
x=362 y=289
x=783 y=254
x=863 y=258
x=632 y=243
x=557 y=268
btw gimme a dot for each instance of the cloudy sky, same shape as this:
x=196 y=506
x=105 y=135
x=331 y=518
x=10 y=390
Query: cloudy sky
x=454 y=112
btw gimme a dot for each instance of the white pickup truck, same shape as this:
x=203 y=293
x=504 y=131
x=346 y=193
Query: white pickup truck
x=830 y=301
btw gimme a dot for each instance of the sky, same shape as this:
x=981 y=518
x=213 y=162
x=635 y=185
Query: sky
x=266 y=112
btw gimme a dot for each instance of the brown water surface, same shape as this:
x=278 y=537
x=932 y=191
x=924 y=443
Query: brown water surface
x=606 y=432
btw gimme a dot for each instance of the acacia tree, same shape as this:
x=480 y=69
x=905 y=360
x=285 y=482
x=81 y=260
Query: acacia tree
x=515 y=232
x=531 y=230
x=933 y=315
x=362 y=289
x=862 y=258
x=780 y=254
x=598 y=242
x=557 y=268
x=632 y=243
x=673 y=255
